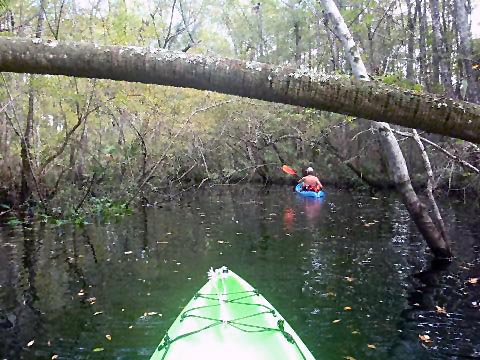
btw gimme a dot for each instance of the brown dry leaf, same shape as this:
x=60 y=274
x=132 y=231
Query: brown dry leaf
x=473 y=281
x=347 y=308
x=425 y=338
x=109 y=337
x=336 y=321
x=371 y=346
x=30 y=343
x=440 y=310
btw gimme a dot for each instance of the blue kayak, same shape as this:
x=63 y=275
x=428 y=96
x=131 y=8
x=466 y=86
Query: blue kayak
x=298 y=190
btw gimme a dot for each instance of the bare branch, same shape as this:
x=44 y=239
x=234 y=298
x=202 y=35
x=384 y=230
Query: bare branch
x=462 y=162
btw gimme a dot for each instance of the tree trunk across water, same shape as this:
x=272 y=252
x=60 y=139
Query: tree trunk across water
x=370 y=100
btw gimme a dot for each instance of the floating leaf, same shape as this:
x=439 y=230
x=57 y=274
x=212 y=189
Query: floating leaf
x=109 y=337
x=356 y=332
x=30 y=343
x=348 y=278
x=371 y=346
x=425 y=338
x=440 y=310
x=347 y=308
x=54 y=356
x=130 y=327
x=97 y=313
x=336 y=321
x=473 y=281
x=151 y=313
x=349 y=358
x=81 y=292
x=98 y=349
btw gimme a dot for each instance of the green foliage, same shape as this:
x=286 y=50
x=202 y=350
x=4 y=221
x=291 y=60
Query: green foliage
x=4 y=4
x=14 y=221
x=398 y=79
x=127 y=129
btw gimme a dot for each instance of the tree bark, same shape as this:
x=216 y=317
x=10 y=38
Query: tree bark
x=25 y=147
x=25 y=154
x=283 y=84
x=465 y=50
x=298 y=53
x=396 y=162
x=422 y=35
x=428 y=168
x=439 y=48
x=411 y=19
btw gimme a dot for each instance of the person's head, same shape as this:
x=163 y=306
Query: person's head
x=309 y=170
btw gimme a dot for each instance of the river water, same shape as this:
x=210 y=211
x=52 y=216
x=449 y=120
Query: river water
x=350 y=274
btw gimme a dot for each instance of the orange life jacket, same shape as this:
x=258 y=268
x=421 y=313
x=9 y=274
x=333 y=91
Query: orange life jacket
x=315 y=188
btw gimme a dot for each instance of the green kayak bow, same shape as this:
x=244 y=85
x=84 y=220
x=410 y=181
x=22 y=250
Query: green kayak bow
x=228 y=319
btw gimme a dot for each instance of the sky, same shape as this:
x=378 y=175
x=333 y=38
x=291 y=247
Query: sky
x=475 y=13
x=476 y=19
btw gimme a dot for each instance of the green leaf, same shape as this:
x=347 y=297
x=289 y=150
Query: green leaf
x=14 y=221
x=368 y=19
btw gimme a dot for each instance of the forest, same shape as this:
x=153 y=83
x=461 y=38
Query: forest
x=73 y=146
x=196 y=118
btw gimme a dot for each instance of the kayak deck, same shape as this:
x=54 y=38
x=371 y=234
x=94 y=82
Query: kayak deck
x=298 y=189
x=228 y=318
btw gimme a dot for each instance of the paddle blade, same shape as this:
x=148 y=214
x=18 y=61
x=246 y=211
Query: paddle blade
x=289 y=170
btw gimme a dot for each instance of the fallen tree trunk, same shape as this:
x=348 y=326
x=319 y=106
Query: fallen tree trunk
x=370 y=100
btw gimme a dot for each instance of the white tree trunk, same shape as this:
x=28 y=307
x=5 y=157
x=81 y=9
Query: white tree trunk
x=396 y=162
x=465 y=50
x=445 y=75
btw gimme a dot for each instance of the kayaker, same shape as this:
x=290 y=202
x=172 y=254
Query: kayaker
x=310 y=182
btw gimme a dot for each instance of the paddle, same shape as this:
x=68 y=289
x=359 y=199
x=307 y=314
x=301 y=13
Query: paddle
x=289 y=170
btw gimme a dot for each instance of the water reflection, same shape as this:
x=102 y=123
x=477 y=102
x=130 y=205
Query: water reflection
x=346 y=273
x=309 y=208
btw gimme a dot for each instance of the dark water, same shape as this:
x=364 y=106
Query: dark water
x=66 y=288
